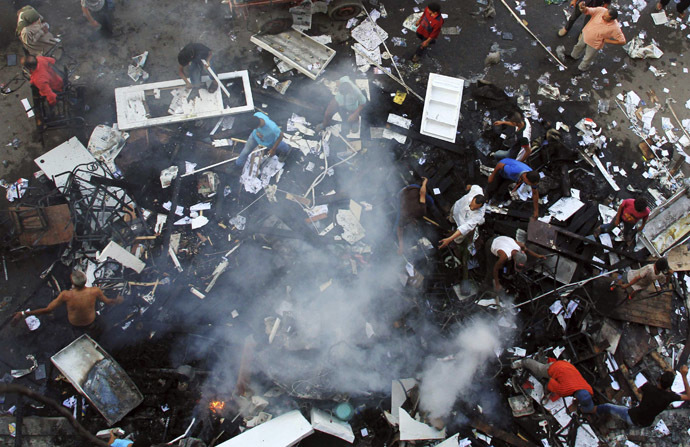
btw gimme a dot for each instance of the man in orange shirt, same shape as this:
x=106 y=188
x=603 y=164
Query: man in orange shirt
x=428 y=28
x=44 y=77
x=564 y=380
x=601 y=29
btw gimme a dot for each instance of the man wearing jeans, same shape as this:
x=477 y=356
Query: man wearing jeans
x=266 y=133
x=564 y=380
x=655 y=399
x=630 y=212
x=602 y=28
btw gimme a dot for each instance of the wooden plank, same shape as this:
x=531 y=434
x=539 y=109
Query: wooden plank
x=634 y=344
x=654 y=311
x=679 y=258
x=503 y=435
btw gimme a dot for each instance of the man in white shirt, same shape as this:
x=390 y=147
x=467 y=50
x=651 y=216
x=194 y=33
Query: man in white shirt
x=644 y=277
x=501 y=249
x=468 y=214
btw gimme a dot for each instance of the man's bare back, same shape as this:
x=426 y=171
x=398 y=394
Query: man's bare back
x=81 y=304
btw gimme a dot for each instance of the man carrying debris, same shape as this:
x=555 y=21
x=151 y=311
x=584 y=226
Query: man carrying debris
x=564 y=380
x=655 y=399
x=509 y=171
x=413 y=199
x=44 y=77
x=602 y=28
x=34 y=32
x=501 y=249
x=348 y=103
x=630 y=211
x=266 y=133
x=428 y=28
x=644 y=277
x=81 y=305
x=467 y=213
x=99 y=15
x=575 y=4
x=191 y=58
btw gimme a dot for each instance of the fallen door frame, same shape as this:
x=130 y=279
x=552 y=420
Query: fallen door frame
x=122 y=93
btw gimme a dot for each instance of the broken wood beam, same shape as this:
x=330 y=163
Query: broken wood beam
x=244 y=374
x=631 y=382
x=503 y=435
x=660 y=361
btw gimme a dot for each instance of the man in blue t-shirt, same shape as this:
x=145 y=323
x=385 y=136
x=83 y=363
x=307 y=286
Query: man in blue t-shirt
x=265 y=133
x=509 y=171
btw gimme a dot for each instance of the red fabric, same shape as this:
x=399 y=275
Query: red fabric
x=46 y=79
x=630 y=214
x=566 y=379
x=430 y=26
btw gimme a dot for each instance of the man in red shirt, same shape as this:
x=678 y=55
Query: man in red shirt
x=428 y=28
x=564 y=380
x=630 y=211
x=44 y=77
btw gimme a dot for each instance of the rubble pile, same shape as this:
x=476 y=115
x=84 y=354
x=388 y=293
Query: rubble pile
x=309 y=251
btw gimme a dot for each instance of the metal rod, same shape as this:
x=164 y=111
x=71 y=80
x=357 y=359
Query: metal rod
x=519 y=20
x=577 y=284
x=217 y=164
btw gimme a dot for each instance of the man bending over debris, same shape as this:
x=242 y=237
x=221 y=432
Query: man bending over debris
x=266 y=133
x=44 y=77
x=501 y=249
x=575 y=4
x=509 y=171
x=655 y=399
x=642 y=278
x=602 y=28
x=81 y=305
x=630 y=211
x=192 y=58
x=564 y=380
x=467 y=213
x=413 y=200
x=348 y=103
x=428 y=28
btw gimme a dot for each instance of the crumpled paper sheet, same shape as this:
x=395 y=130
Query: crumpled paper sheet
x=254 y=183
x=637 y=50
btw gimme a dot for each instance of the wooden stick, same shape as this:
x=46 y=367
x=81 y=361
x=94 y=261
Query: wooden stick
x=532 y=34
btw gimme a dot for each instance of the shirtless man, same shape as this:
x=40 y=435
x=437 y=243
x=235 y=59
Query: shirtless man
x=81 y=304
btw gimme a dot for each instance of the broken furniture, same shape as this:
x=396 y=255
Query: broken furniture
x=62 y=115
x=41 y=226
x=134 y=110
x=547 y=236
x=298 y=50
x=99 y=378
x=101 y=207
x=668 y=224
x=442 y=107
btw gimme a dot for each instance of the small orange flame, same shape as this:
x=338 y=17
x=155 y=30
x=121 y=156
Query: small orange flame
x=216 y=406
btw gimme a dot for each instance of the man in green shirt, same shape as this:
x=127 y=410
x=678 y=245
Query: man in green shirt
x=348 y=103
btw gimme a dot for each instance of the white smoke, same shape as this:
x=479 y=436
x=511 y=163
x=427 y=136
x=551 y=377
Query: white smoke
x=445 y=380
